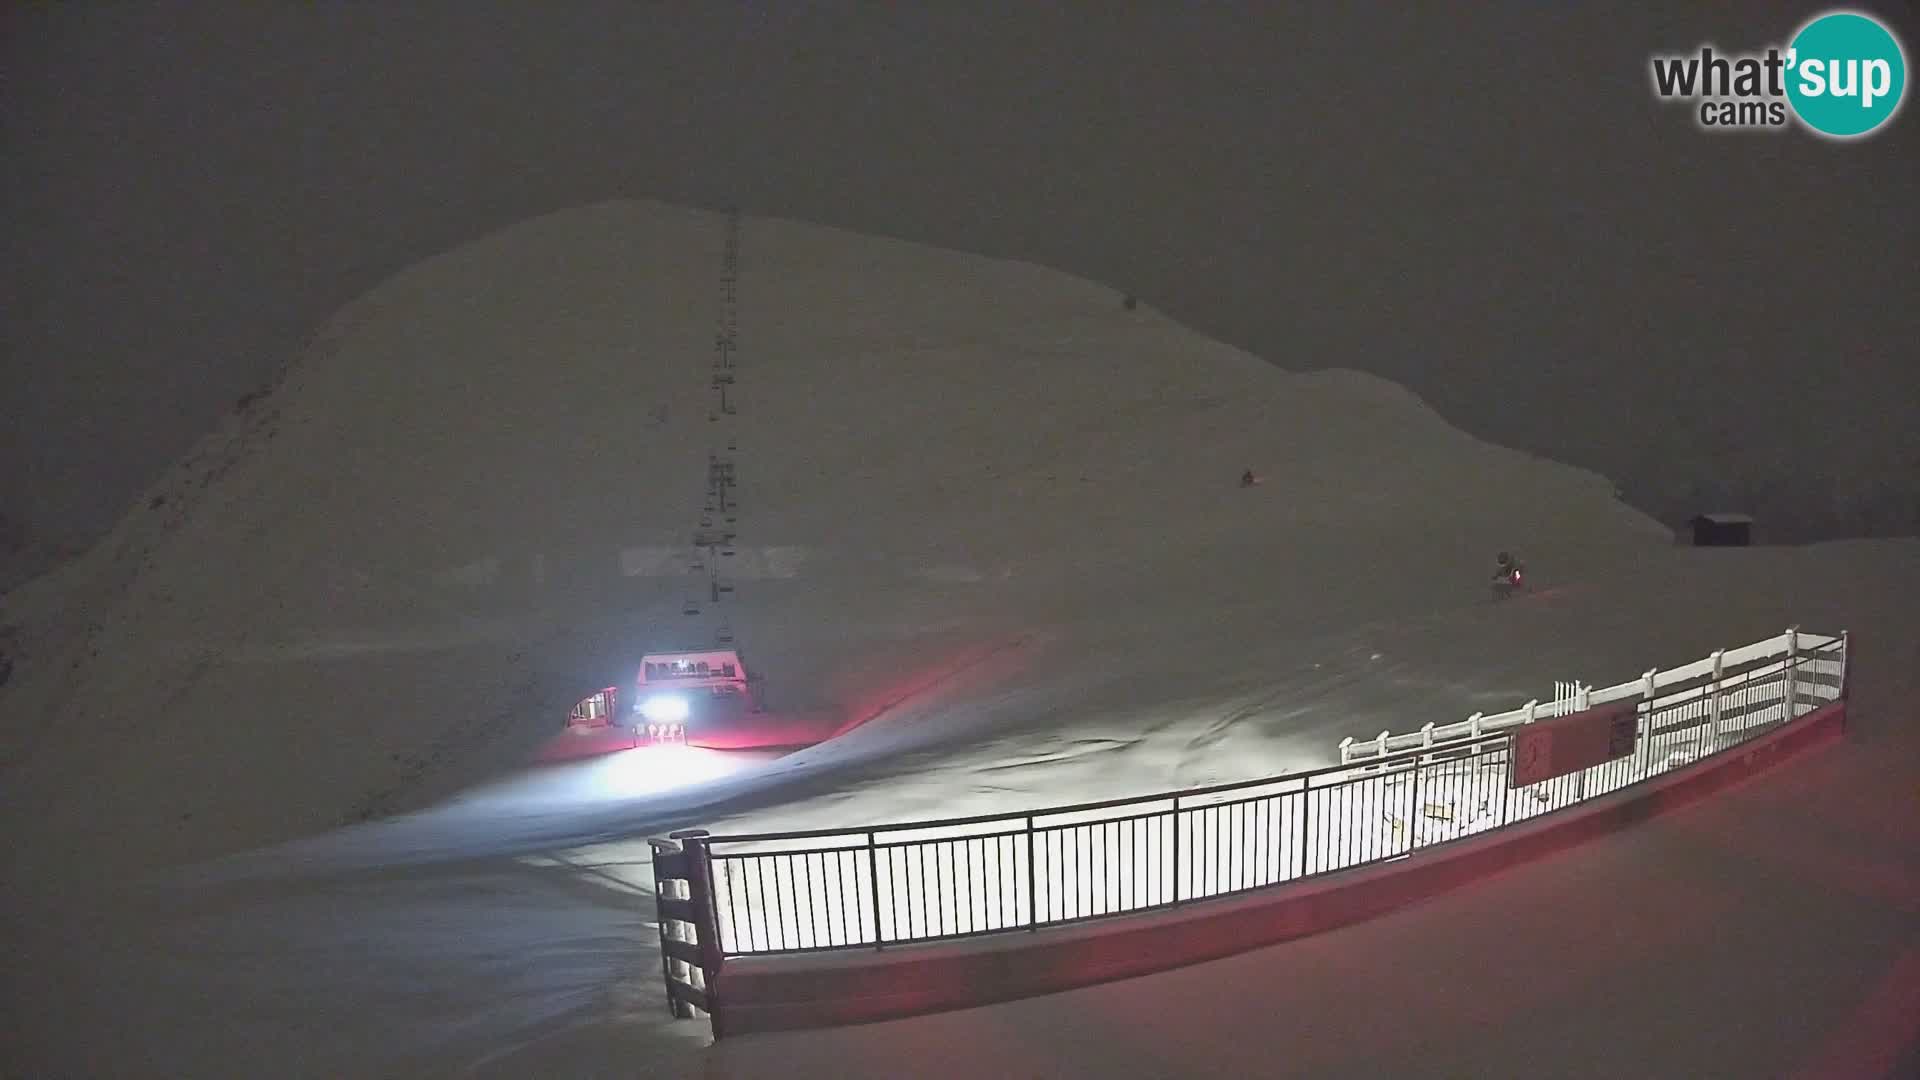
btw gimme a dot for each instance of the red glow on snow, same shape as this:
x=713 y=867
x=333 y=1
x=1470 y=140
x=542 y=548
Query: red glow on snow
x=962 y=665
x=1881 y=1029
x=576 y=743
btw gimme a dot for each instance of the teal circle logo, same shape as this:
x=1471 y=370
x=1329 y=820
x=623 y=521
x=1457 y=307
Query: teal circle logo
x=1846 y=75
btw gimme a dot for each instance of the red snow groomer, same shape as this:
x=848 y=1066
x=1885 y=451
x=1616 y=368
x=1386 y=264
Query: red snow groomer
x=681 y=696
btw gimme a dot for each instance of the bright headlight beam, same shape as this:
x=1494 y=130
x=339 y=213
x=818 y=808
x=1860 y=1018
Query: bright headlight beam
x=665 y=709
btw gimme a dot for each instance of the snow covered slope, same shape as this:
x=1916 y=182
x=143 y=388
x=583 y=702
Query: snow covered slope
x=983 y=507
x=331 y=611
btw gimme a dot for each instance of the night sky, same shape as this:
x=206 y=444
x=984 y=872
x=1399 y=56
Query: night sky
x=1487 y=204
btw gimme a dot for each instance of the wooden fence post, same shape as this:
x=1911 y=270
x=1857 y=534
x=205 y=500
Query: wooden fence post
x=670 y=909
x=692 y=863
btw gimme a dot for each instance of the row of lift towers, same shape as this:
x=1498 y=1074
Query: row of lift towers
x=712 y=540
x=719 y=517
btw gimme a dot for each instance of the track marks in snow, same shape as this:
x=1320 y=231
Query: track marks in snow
x=1074 y=750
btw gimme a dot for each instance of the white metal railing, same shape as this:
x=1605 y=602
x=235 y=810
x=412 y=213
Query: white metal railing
x=1726 y=667
x=917 y=881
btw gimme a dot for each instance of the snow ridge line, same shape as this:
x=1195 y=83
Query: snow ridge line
x=52 y=659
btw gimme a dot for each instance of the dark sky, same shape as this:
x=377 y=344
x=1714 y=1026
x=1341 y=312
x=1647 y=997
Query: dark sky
x=1482 y=201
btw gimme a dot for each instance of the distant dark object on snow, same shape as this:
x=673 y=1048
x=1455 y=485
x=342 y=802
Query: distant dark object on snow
x=1722 y=530
x=1129 y=301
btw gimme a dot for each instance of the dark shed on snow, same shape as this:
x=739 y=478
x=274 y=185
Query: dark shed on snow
x=1722 y=530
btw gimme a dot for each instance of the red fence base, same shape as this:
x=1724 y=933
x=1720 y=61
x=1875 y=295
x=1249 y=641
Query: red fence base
x=770 y=993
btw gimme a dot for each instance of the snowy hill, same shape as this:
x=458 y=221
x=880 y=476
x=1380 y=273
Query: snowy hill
x=981 y=505
x=940 y=450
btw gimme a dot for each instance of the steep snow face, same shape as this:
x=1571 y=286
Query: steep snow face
x=472 y=498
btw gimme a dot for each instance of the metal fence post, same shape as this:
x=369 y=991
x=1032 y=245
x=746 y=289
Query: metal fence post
x=1033 y=881
x=1714 y=706
x=873 y=875
x=1300 y=819
x=1176 y=849
x=1793 y=651
x=1846 y=661
x=1646 y=741
x=1417 y=812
